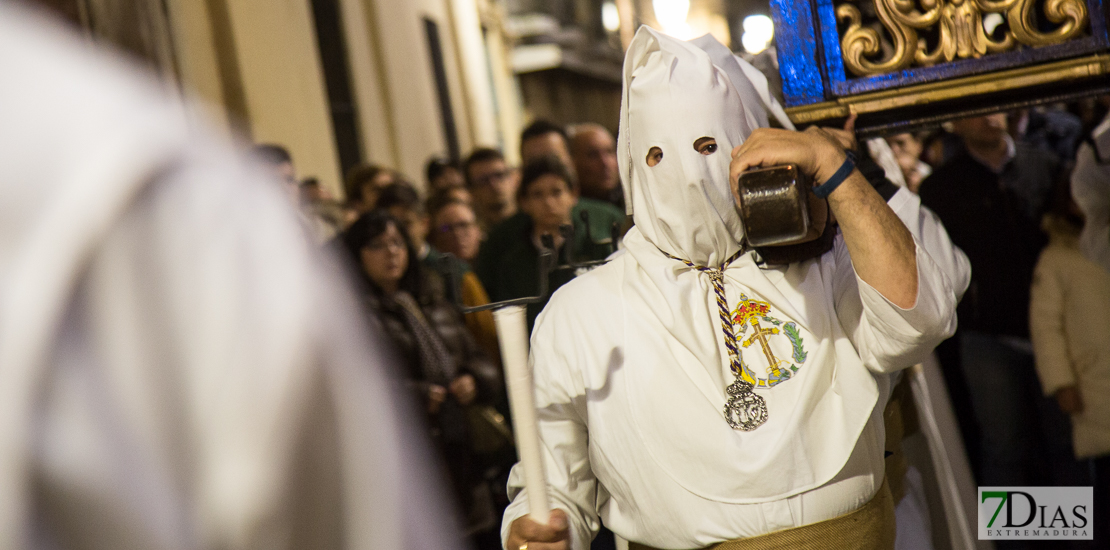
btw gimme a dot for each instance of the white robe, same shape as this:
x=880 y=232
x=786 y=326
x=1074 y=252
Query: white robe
x=178 y=368
x=633 y=429
x=630 y=366
x=1090 y=187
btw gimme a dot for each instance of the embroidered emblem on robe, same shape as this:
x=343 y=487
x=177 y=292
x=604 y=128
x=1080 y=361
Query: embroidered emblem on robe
x=760 y=335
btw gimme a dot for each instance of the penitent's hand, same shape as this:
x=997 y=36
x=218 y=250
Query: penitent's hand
x=814 y=151
x=882 y=249
x=553 y=536
x=847 y=135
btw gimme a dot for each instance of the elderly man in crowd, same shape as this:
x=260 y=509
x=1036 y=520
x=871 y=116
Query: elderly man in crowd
x=595 y=159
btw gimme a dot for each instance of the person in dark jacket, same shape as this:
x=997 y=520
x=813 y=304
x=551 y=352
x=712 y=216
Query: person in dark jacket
x=509 y=261
x=443 y=364
x=991 y=196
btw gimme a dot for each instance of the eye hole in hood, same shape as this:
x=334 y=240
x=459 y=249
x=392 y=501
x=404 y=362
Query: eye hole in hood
x=705 y=145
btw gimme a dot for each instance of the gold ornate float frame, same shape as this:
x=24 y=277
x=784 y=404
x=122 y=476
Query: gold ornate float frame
x=1057 y=72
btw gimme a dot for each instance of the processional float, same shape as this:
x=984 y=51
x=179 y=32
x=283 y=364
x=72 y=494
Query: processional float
x=904 y=64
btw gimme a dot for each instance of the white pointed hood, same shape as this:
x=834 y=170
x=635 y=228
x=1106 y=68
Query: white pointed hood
x=674 y=95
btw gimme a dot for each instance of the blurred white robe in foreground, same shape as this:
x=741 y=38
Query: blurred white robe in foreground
x=178 y=368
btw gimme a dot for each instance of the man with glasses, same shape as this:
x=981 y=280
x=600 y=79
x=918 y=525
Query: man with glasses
x=455 y=228
x=493 y=186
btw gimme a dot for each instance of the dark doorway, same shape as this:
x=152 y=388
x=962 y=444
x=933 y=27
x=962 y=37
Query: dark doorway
x=450 y=132
x=337 y=78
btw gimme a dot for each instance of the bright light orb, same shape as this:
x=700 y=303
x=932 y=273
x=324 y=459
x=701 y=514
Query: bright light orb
x=758 y=32
x=671 y=14
x=610 y=17
x=759 y=24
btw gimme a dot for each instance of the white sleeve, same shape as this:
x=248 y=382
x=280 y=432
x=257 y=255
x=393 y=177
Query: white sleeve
x=930 y=234
x=561 y=415
x=1090 y=187
x=887 y=337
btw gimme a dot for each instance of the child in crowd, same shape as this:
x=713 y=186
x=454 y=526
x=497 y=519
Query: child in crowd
x=1068 y=317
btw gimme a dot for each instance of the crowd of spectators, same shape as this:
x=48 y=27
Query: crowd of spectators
x=1027 y=372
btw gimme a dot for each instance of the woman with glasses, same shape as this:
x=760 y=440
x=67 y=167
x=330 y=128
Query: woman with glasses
x=444 y=367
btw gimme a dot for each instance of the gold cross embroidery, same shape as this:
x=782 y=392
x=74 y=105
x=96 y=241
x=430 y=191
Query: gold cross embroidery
x=749 y=312
x=761 y=335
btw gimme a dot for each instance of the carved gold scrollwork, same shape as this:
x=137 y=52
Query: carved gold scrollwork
x=1071 y=15
x=959 y=26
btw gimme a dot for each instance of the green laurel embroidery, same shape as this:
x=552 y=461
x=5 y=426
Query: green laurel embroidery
x=791 y=331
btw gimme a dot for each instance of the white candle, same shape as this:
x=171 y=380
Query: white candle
x=512 y=332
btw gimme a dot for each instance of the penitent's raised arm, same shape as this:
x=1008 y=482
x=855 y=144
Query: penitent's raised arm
x=882 y=249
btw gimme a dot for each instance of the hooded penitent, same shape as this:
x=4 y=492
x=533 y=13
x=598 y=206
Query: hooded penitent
x=631 y=366
x=675 y=95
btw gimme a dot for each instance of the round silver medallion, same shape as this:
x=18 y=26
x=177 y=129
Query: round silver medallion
x=745 y=410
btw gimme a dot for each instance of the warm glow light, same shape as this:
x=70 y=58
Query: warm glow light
x=760 y=24
x=758 y=32
x=610 y=17
x=671 y=15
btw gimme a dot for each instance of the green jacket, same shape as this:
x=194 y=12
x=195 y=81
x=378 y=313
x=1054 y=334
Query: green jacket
x=508 y=261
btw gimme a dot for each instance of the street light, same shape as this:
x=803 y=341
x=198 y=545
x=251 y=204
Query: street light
x=610 y=17
x=758 y=32
x=671 y=15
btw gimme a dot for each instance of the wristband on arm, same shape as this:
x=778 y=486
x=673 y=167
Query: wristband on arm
x=825 y=189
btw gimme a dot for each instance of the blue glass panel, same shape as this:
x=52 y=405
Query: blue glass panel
x=830 y=40
x=802 y=83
